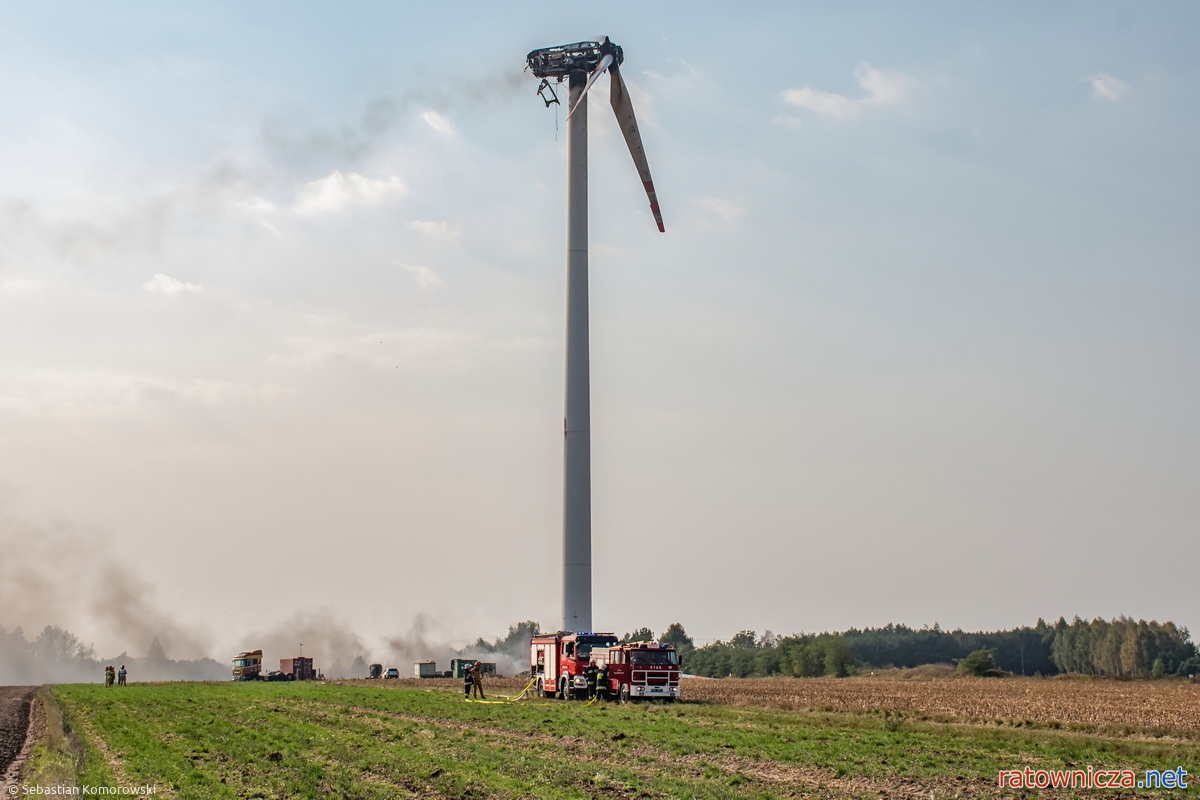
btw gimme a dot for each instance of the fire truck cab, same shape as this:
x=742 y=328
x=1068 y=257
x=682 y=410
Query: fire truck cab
x=641 y=671
x=558 y=661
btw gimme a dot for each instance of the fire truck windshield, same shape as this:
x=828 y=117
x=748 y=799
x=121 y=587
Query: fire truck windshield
x=583 y=648
x=655 y=657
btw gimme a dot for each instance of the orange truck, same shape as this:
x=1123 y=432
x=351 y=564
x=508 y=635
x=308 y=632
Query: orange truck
x=247 y=666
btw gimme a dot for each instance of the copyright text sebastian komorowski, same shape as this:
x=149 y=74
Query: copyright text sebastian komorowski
x=82 y=791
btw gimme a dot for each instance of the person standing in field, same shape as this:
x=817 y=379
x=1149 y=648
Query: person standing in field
x=468 y=682
x=477 y=679
x=110 y=675
x=590 y=672
x=121 y=676
x=602 y=681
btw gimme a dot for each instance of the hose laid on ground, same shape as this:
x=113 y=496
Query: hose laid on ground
x=504 y=698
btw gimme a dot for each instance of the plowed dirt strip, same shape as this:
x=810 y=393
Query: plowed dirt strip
x=772 y=776
x=1100 y=705
x=16 y=704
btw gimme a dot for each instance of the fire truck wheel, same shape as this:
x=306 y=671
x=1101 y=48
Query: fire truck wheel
x=624 y=697
x=541 y=688
x=564 y=689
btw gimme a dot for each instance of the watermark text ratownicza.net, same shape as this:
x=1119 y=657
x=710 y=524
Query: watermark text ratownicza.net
x=1093 y=778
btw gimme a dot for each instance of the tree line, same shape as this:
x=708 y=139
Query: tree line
x=56 y=655
x=1122 y=647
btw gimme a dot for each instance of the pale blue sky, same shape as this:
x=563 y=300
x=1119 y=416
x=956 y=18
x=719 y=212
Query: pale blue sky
x=919 y=345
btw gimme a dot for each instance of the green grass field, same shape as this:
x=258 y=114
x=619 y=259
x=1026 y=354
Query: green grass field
x=292 y=740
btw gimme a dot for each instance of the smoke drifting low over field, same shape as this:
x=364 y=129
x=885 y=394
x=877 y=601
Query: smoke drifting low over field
x=59 y=576
x=61 y=589
x=340 y=652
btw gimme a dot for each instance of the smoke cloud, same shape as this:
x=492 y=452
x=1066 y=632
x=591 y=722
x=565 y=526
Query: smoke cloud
x=299 y=146
x=63 y=575
x=55 y=579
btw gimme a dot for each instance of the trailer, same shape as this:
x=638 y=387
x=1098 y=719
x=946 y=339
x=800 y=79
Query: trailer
x=427 y=669
x=298 y=669
x=459 y=666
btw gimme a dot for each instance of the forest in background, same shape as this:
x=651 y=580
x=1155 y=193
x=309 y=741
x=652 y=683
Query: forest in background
x=1120 y=648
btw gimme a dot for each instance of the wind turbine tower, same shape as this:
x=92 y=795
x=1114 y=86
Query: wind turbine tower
x=580 y=65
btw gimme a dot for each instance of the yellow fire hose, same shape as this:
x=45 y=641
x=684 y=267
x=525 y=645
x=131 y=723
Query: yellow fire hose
x=506 y=699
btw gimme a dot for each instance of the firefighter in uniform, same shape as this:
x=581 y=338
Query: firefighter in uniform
x=590 y=673
x=602 y=681
x=477 y=679
x=468 y=682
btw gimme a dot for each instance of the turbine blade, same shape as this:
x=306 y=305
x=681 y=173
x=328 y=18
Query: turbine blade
x=623 y=108
x=603 y=65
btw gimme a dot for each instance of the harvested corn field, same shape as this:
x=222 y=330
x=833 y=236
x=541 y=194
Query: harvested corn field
x=1101 y=705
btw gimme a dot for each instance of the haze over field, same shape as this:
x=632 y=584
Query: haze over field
x=281 y=316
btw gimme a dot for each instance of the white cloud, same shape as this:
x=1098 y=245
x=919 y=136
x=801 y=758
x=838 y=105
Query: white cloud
x=527 y=344
x=416 y=347
x=217 y=392
x=256 y=205
x=727 y=210
x=604 y=250
x=171 y=287
x=20 y=287
x=337 y=192
x=1107 y=87
x=439 y=229
x=884 y=87
x=424 y=276
x=81 y=394
x=440 y=124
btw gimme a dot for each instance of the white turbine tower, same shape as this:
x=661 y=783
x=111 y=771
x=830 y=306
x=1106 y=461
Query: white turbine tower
x=581 y=64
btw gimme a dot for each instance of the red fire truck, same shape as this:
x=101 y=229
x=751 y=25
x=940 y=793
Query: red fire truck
x=558 y=661
x=641 y=671
x=636 y=671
